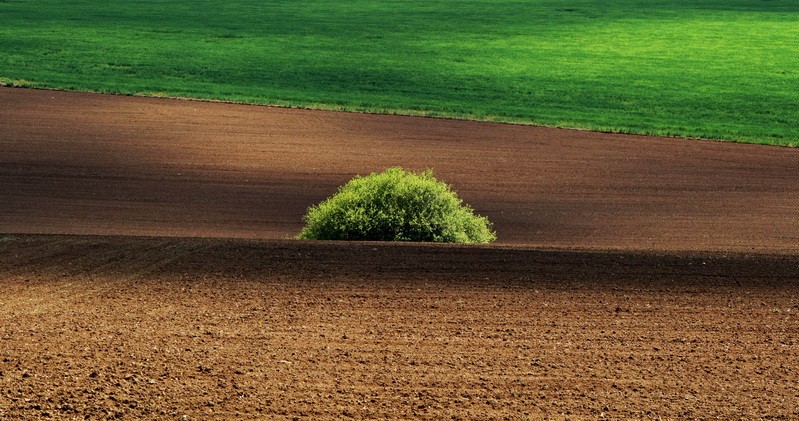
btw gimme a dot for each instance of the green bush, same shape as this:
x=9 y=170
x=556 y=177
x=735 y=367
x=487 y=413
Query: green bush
x=396 y=205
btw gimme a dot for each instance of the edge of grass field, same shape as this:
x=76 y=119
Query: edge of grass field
x=27 y=84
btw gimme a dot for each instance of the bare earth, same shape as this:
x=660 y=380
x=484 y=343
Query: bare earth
x=634 y=277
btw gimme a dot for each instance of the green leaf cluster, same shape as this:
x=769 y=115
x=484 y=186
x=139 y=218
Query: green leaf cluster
x=396 y=205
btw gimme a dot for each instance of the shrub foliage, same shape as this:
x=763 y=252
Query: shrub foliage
x=396 y=205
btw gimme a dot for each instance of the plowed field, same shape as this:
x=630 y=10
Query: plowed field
x=633 y=277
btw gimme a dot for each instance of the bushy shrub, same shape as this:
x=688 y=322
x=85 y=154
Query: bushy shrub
x=396 y=205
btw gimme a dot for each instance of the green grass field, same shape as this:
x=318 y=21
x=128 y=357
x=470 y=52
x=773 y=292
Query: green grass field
x=725 y=69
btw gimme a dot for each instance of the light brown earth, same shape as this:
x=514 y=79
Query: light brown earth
x=634 y=277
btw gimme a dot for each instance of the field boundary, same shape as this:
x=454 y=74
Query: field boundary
x=389 y=112
x=365 y=261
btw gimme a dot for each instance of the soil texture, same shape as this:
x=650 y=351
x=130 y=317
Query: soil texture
x=75 y=163
x=147 y=270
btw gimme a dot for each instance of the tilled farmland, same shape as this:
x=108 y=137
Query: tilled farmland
x=148 y=271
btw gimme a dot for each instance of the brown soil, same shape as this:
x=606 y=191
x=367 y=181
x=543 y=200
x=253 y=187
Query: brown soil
x=100 y=164
x=679 y=299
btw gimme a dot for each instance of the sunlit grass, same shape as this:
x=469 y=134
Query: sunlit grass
x=718 y=69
